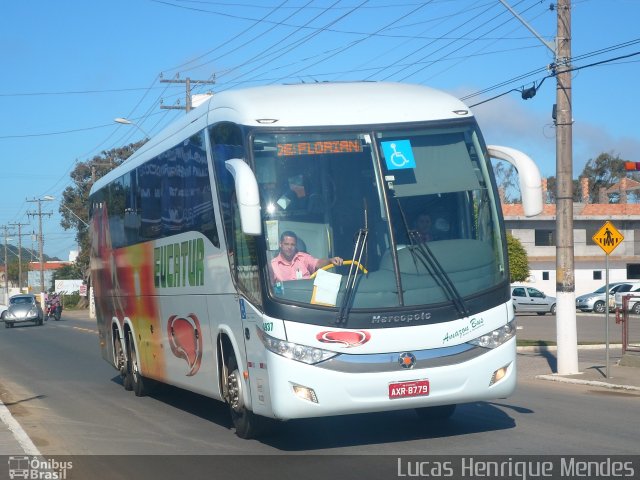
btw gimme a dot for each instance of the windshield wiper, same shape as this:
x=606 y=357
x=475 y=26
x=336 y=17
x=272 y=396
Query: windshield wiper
x=421 y=251
x=350 y=284
x=431 y=263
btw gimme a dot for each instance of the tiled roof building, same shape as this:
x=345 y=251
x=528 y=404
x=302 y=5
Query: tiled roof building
x=538 y=236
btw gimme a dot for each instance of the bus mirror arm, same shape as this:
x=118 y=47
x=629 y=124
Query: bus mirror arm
x=529 y=177
x=247 y=195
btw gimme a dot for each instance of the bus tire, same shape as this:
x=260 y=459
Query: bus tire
x=122 y=364
x=439 y=413
x=136 y=379
x=247 y=424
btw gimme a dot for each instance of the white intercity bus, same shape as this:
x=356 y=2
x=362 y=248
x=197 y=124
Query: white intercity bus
x=184 y=233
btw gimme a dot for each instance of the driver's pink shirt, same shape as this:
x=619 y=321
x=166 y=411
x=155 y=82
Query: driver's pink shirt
x=302 y=265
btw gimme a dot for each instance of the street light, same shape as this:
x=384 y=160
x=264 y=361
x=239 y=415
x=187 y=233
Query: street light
x=62 y=204
x=125 y=121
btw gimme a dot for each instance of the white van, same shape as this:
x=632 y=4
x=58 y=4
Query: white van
x=634 y=300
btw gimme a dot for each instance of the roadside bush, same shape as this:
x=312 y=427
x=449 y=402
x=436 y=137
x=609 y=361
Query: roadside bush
x=71 y=300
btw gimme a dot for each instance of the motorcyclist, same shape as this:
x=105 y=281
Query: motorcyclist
x=54 y=306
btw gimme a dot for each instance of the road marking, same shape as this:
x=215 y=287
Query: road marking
x=82 y=329
x=87 y=330
x=19 y=434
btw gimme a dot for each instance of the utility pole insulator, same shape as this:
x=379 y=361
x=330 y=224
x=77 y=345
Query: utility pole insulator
x=187 y=81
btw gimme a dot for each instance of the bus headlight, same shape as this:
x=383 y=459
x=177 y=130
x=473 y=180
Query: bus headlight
x=294 y=351
x=497 y=337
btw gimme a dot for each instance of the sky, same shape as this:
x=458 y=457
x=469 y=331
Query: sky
x=70 y=67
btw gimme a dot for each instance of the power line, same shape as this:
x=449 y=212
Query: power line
x=293 y=44
x=487 y=22
x=73 y=92
x=367 y=36
x=542 y=69
x=256 y=23
x=567 y=70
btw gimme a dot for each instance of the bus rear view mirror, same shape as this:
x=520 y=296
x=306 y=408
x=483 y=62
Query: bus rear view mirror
x=247 y=196
x=529 y=177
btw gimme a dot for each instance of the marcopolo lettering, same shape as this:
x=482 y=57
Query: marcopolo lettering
x=403 y=318
x=179 y=264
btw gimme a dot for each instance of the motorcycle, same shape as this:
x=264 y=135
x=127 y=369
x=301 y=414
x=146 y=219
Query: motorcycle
x=54 y=310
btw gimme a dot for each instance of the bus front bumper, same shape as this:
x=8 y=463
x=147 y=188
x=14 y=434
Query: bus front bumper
x=299 y=390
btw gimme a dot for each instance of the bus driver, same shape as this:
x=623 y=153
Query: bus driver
x=290 y=264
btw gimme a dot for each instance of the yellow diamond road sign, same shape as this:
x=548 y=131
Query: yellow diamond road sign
x=608 y=237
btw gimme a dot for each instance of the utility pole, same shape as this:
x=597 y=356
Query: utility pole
x=93 y=169
x=6 y=266
x=39 y=214
x=20 y=234
x=566 y=328
x=187 y=81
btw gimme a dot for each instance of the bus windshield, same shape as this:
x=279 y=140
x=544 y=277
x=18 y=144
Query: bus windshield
x=414 y=210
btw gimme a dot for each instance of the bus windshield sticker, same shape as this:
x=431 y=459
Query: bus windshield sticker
x=398 y=154
x=319 y=148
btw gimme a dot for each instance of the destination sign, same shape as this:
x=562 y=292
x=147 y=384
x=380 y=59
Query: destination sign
x=319 y=148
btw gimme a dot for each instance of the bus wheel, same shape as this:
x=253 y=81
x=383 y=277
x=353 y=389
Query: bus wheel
x=247 y=424
x=136 y=379
x=441 y=412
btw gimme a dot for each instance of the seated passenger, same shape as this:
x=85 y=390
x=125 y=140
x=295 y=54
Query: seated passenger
x=290 y=264
x=422 y=226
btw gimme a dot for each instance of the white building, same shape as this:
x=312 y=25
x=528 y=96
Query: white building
x=538 y=237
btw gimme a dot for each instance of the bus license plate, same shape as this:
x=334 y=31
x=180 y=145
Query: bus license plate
x=414 y=388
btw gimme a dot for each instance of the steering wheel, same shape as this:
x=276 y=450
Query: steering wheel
x=346 y=262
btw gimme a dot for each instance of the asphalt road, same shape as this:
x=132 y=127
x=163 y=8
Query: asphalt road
x=591 y=327
x=70 y=401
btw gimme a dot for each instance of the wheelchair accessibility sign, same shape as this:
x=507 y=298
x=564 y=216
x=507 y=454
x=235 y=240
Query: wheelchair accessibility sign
x=398 y=154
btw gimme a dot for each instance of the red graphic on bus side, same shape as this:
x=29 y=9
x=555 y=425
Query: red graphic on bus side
x=185 y=338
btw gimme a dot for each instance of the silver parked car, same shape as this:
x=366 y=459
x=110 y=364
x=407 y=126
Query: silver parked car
x=596 y=301
x=529 y=299
x=23 y=308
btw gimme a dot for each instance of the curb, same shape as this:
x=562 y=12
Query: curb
x=553 y=348
x=18 y=433
x=594 y=383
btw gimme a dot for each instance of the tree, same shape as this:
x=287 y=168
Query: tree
x=552 y=189
x=518 y=260
x=75 y=198
x=604 y=172
x=68 y=272
x=507 y=181
x=13 y=269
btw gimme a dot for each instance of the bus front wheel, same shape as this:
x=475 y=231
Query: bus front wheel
x=247 y=424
